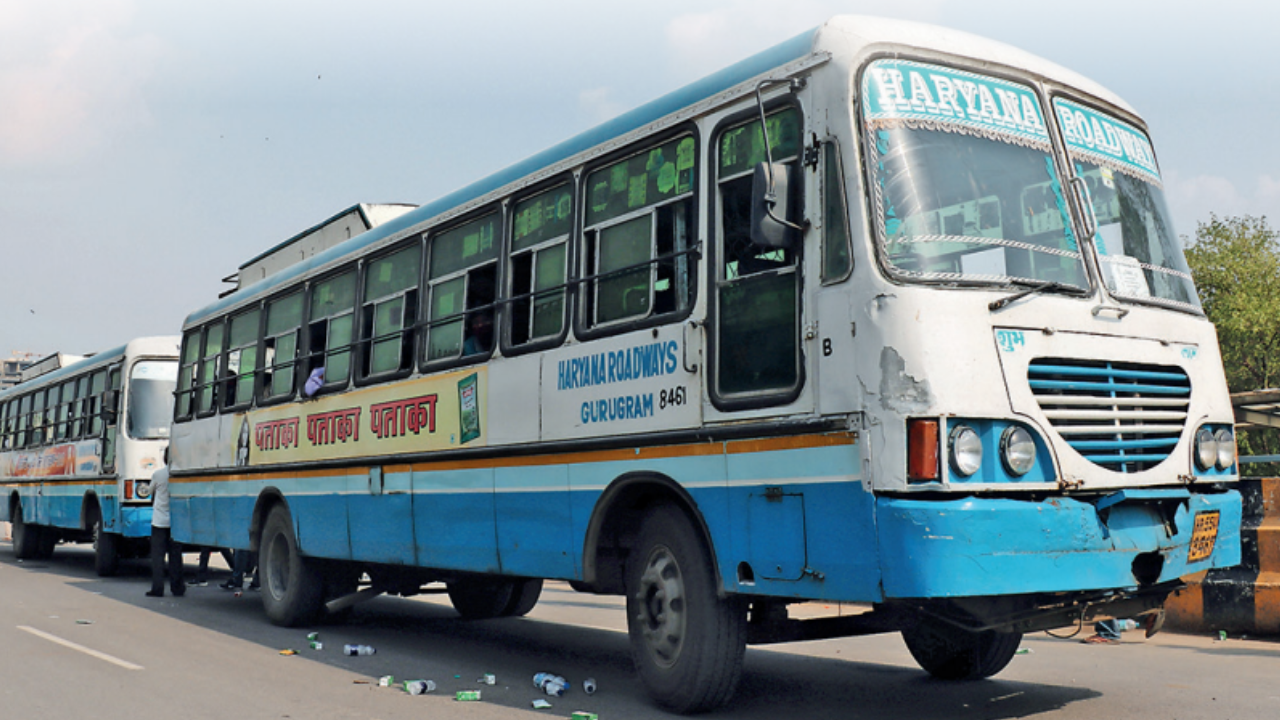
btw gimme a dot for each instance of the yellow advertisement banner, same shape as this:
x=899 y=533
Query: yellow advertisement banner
x=434 y=413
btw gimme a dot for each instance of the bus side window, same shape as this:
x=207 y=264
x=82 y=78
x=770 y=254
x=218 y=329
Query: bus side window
x=66 y=397
x=836 y=258
x=97 y=387
x=637 y=234
x=183 y=404
x=242 y=359
x=79 y=411
x=757 y=287
x=207 y=396
x=110 y=415
x=331 y=328
x=388 y=313
x=280 y=347
x=462 y=287
x=539 y=255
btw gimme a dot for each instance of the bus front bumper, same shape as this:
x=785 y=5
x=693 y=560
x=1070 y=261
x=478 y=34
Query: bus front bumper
x=998 y=546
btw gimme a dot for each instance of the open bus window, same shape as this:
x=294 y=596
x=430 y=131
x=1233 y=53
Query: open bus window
x=280 y=346
x=462 y=285
x=242 y=360
x=389 y=312
x=331 y=329
x=964 y=184
x=539 y=255
x=184 y=402
x=151 y=384
x=207 y=395
x=1139 y=253
x=638 y=234
x=757 y=303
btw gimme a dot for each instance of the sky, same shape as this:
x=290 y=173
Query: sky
x=148 y=148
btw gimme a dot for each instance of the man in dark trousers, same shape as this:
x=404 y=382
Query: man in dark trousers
x=161 y=542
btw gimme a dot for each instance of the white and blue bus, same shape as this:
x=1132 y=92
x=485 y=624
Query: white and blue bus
x=78 y=446
x=886 y=314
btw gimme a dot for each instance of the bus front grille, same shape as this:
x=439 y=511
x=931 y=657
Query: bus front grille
x=1126 y=417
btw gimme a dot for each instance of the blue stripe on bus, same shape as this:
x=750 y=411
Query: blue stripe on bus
x=1125 y=458
x=1082 y=445
x=1085 y=371
x=1108 y=387
x=781 y=54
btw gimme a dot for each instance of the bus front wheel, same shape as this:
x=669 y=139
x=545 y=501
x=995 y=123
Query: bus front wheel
x=948 y=652
x=687 y=642
x=292 y=587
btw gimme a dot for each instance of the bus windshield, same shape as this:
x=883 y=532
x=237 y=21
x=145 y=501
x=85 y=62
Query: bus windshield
x=1138 y=252
x=151 y=386
x=964 y=182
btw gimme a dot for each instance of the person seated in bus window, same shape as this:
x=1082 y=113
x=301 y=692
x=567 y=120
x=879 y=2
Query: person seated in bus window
x=479 y=335
x=314 y=381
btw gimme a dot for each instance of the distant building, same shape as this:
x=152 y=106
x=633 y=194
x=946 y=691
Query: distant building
x=337 y=229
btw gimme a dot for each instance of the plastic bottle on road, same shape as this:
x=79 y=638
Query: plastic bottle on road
x=550 y=684
x=358 y=650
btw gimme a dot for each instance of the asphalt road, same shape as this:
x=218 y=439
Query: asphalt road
x=75 y=645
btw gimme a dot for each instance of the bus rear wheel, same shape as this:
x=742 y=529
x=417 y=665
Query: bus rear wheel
x=524 y=595
x=26 y=537
x=292 y=586
x=106 y=550
x=687 y=642
x=948 y=652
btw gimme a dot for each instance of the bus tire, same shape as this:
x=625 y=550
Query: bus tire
x=524 y=595
x=687 y=642
x=292 y=587
x=47 y=540
x=26 y=537
x=106 y=550
x=481 y=599
x=948 y=652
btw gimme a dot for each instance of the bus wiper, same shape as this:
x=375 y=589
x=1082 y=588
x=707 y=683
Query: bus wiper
x=1047 y=286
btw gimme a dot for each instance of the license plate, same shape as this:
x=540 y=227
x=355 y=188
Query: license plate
x=1203 y=535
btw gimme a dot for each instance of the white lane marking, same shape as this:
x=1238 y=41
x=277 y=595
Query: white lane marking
x=75 y=646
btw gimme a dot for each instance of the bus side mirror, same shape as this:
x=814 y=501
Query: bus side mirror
x=769 y=193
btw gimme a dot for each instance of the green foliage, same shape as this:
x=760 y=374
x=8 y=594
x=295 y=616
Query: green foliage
x=1236 y=264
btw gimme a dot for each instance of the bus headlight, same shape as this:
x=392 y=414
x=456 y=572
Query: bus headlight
x=966 y=450
x=142 y=489
x=1017 y=450
x=1206 y=448
x=1226 y=448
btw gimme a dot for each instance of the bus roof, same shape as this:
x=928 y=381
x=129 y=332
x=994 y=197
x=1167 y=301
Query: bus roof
x=163 y=345
x=846 y=35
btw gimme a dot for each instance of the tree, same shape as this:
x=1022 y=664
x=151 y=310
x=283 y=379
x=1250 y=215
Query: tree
x=1236 y=264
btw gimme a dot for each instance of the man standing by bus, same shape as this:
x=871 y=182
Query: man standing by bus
x=161 y=541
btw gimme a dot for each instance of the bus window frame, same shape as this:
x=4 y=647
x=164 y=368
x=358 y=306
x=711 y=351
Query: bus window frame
x=217 y=360
x=363 y=352
x=841 y=193
x=263 y=398
x=498 y=306
x=585 y=328
x=312 y=359
x=231 y=380
x=569 y=287
x=782 y=395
